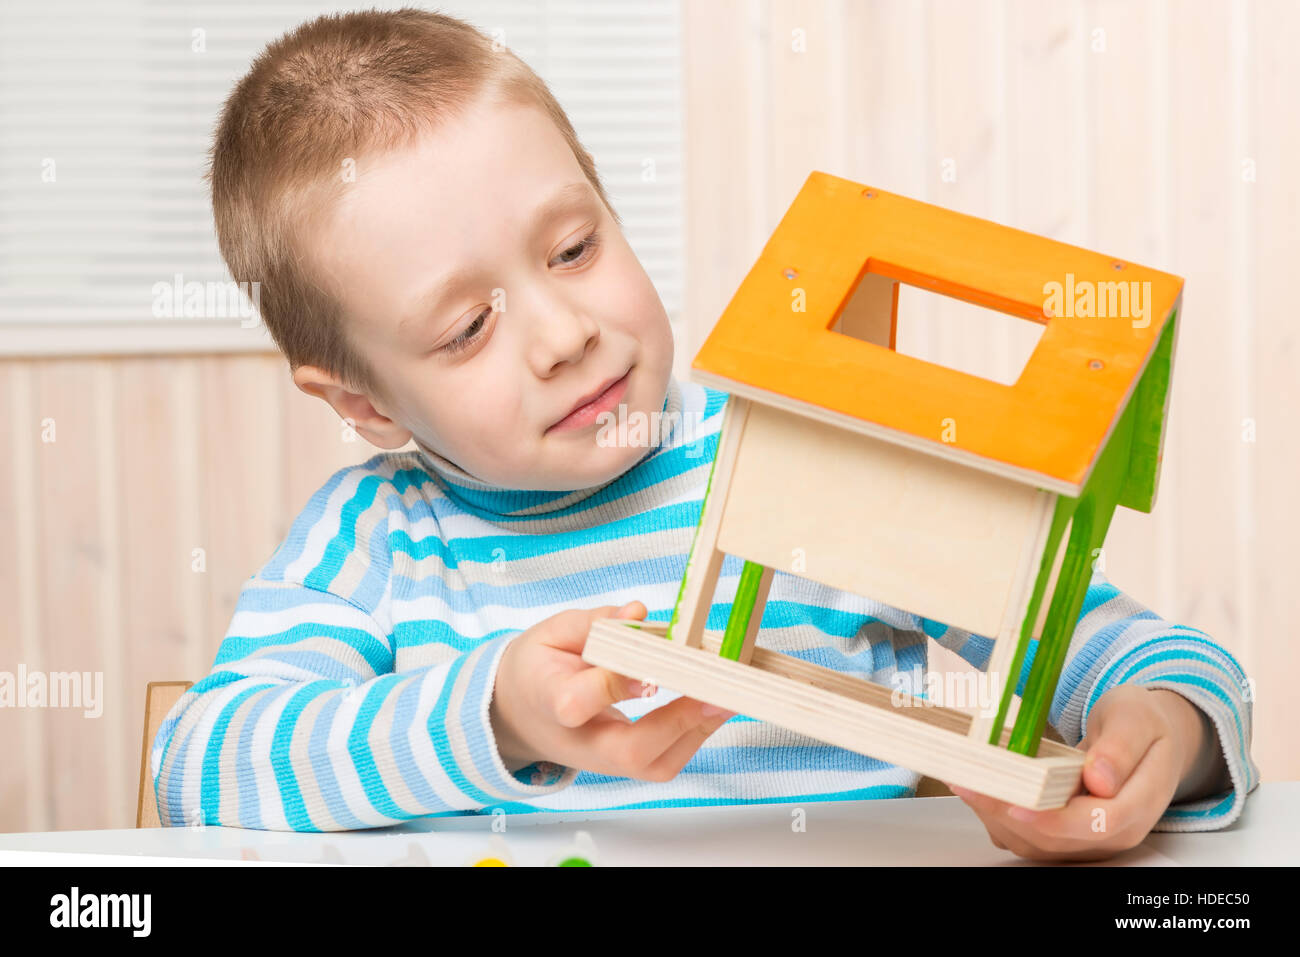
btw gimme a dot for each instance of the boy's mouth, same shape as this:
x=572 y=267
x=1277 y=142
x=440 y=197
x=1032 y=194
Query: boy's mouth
x=591 y=406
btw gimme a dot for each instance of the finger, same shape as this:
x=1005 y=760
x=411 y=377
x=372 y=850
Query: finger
x=568 y=630
x=630 y=750
x=1020 y=827
x=613 y=714
x=1025 y=841
x=579 y=697
x=669 y=764
x=1088 y=821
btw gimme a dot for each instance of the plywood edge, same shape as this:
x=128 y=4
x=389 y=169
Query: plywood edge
x=815 y=701
x=874 y=430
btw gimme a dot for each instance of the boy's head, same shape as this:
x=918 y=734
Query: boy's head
x=436 y=254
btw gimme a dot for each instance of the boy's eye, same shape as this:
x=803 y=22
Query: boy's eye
x=579 y=250
x=472 y=332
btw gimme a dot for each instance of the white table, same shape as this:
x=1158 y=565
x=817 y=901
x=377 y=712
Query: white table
x=917 y=831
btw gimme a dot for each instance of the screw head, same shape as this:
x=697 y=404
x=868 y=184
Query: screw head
x=790 y=273
x=1095 y=364
x=869 y=193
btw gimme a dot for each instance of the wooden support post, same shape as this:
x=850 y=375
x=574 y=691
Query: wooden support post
x=695 y=596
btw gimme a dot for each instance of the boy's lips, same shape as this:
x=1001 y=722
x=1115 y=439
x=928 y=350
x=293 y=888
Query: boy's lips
x=589 y=407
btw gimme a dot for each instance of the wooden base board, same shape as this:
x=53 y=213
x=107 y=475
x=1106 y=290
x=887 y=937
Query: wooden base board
x=841 y=710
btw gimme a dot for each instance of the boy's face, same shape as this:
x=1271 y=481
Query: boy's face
x=484 y=369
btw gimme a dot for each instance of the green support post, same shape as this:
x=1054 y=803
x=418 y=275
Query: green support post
x=742 y=609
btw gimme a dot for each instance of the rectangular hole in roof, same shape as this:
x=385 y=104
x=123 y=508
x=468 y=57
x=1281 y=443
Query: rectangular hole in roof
x=939 y=329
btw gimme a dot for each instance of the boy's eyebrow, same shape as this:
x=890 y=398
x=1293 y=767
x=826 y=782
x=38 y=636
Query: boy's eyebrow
x=426 y=303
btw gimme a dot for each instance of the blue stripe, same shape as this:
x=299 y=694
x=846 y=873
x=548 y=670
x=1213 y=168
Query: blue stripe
x=326 y=780
x=483 y=548
x=1174 y=654
x=290 y=549
x=1217 y=810
x=477 y=732
x=376 y=654
x=295 y=809
x=363 y=759
x=504 y=508
x=210 y=776
x=404 y=716
x=250 y=802
x=344 y=543
x=438 y=733
x=871 y=793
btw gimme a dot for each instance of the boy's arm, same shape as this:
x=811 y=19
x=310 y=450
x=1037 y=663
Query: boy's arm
x=1119 y=641
x=302 y=725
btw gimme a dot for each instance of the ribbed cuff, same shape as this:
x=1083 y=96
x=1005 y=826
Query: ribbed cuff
x=484 y=776
x=1215 y=811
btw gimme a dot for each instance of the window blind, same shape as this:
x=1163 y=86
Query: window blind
x=107 y=113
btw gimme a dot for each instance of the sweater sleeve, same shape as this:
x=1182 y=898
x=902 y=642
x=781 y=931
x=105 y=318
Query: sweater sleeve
x=302 y=723
x=1119 y=641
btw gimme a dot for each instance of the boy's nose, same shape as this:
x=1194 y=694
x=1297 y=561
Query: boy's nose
x=564 y=338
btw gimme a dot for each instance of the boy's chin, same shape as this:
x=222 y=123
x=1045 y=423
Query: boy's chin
x=583 y=462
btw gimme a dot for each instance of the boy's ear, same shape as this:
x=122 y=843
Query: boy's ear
x=368 y=422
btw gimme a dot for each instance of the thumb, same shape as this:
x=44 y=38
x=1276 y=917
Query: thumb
x=1113 y=748
x=633 y=609
x=569 y=629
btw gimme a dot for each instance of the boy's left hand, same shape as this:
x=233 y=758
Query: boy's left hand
x=1140 y=743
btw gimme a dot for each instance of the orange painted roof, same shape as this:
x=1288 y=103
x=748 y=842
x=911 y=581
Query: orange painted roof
x=1049 y=426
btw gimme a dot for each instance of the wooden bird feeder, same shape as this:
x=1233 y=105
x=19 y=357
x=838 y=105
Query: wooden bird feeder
x=956 y=498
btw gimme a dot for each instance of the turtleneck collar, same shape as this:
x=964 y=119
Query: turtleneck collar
x=494 y=501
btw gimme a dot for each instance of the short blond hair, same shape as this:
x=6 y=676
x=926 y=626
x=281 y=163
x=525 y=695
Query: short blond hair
x=332 y=89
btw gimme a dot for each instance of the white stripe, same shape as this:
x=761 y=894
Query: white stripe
x=422 y=751
x=247 y=623
x=270 y=804
x=327 y=525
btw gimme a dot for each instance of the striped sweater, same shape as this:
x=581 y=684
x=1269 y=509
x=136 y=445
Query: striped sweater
x=352 y=688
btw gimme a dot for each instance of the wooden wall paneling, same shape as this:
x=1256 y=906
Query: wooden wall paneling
x=75 y=557
x=1122 y=197
x=25 y=795
x=967 y=83
x=1046 y=49
x=1138 y=544
x=1205 y=189
x=163 y=599
x=241 y=420
x=1270 y=390
x=723 y=231
x=886 y=95
x=805 y=107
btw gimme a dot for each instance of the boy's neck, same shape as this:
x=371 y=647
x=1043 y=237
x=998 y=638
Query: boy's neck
x=478 y=495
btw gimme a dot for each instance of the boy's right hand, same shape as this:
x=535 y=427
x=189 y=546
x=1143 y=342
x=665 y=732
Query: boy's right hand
x=550 y=705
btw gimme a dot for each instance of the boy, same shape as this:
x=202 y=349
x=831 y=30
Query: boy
x=438 y=262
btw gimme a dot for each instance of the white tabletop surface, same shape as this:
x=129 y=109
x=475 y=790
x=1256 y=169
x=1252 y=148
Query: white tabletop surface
x=926 y=831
